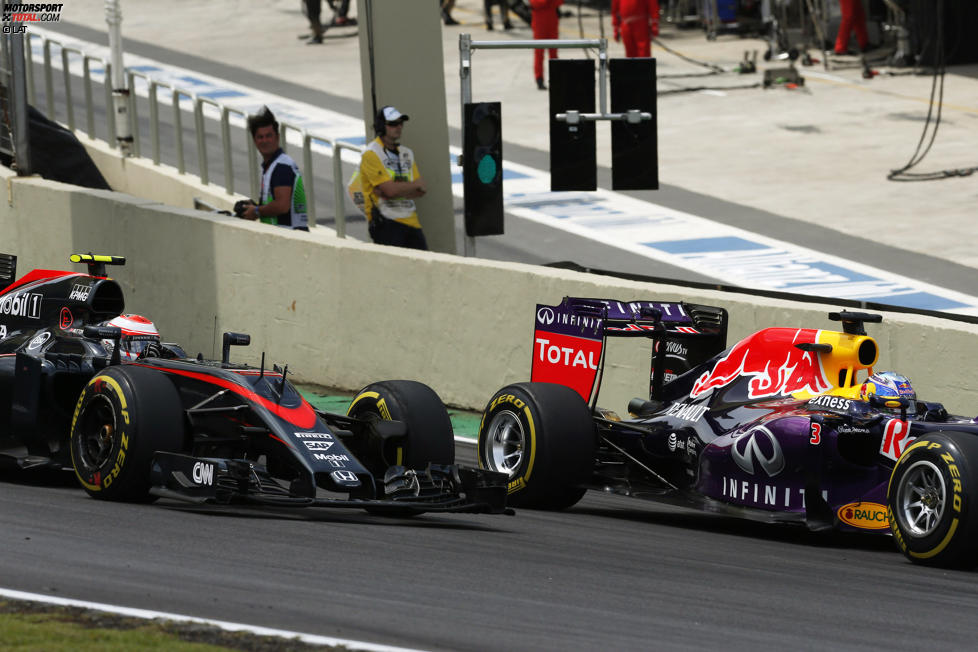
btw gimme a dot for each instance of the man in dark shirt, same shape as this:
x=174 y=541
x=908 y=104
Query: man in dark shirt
x=282 y=199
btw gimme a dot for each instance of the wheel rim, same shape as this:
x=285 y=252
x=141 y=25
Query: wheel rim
x=96 y=433
x=922 y=498
x=505 y=443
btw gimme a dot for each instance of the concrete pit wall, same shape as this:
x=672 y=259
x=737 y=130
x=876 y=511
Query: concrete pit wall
x=344 y=313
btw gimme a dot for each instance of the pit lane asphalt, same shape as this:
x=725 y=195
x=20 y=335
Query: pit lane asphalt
x=611 y=573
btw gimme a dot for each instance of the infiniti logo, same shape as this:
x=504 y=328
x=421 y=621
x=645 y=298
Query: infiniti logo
x=545 y=315
x=750 y=447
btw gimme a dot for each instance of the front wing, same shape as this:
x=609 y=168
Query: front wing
x=437 y=488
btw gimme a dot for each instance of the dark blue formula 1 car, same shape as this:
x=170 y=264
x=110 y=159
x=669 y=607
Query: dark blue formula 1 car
x=788 y=425
x=138 y=420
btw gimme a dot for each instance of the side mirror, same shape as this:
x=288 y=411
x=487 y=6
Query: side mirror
x=233 y=339
x=106 y=333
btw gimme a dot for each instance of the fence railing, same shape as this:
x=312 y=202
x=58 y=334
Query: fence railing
x=197 y=107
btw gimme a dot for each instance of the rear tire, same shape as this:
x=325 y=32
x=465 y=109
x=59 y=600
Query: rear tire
x=932 y=500
x=123 y=416
x=542 y=436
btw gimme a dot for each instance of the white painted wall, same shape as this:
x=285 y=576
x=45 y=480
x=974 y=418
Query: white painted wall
x=344 y=313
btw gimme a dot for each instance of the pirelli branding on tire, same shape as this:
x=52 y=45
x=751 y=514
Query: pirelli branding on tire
x=102 y=448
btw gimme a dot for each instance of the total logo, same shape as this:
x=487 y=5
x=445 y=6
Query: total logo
x=203 y=473
x=565 y=355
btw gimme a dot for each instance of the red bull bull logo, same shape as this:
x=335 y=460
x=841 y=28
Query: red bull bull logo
x=773 y=364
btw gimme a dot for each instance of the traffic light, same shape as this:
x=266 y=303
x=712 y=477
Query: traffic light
x=573 y=146
x=482 y=169
x=634 y=145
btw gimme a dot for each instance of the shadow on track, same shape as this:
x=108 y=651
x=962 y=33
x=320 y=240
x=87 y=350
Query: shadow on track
x=793 y=534
x=343 y=516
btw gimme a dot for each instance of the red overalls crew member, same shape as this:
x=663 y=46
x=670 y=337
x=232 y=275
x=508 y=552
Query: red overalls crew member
x=635 y=22
x=853 y=19
x=544 y=20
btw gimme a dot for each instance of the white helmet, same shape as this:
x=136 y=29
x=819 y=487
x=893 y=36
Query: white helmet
x=137 y=334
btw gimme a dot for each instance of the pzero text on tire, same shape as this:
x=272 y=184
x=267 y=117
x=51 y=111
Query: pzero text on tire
x=542 y=436
x=124 y=415
x=931 y=500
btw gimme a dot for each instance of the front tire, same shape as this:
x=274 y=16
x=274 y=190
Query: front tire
x=123 y=416
x=542 y=436
x=429 y=438
x=932 y=500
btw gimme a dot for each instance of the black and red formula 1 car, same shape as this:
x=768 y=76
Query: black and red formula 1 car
x=74 y=392
x=789 y=425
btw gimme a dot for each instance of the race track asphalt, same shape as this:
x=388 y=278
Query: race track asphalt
x=609 y=574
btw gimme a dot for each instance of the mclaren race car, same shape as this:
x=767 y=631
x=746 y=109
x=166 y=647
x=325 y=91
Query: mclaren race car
x=788 y=425
x=137 y=419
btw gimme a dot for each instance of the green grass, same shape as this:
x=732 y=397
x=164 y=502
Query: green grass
x=465 y=424
x=39 y=627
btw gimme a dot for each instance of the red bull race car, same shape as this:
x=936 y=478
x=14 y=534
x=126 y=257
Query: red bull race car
x=85 y=387
x=788 y=425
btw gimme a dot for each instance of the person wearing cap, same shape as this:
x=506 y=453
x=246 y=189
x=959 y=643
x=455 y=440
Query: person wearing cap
x=391 y=182
x=282 y=198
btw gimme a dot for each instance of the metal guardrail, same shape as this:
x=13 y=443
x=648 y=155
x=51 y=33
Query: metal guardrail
x=198 y=103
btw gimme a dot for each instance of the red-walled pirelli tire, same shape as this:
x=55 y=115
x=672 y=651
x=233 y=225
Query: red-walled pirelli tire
x=124 y=414
x=429 y=429
x=542 y=436
x=932 y=500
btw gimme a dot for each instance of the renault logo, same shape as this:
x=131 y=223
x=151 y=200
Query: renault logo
x=758 y=445
x=545 y=315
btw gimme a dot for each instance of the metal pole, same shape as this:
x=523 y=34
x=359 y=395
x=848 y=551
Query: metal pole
x=226 y=141
x=339 y=201
x=308 y=181
x=120 y=94
x=90 y=115
x=465 y=75
x=22 y=147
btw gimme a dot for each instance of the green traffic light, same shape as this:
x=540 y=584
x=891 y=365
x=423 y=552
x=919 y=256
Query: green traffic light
x=487 y=169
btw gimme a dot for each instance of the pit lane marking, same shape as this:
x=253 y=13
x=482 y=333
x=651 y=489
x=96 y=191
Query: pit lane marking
x=729 y=254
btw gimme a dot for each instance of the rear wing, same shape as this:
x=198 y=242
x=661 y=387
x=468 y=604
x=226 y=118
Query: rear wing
x=569 y=339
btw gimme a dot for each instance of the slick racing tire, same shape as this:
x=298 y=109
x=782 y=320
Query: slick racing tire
x=932 y=500
x=429 y=429
x=542 y=436
x=124 y=415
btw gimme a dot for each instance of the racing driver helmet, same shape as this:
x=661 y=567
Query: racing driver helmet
x=137 y=334
x=889 y=384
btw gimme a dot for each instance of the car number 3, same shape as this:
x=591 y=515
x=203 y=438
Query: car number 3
x=816 y=437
